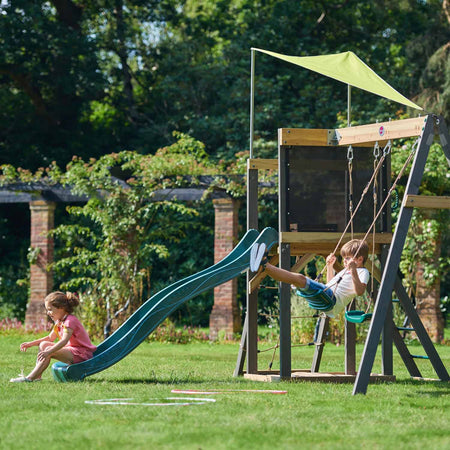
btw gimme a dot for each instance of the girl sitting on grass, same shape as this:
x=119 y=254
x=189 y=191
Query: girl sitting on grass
x=74 y=345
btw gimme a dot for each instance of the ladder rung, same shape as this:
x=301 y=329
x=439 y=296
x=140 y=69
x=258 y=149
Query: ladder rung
x=395 y=300
x=419 y=357
x=405 y=329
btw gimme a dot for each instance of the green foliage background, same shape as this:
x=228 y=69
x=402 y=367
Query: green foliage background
x=94 y=78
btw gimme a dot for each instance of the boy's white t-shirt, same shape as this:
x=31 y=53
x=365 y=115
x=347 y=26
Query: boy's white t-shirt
x=344 y=291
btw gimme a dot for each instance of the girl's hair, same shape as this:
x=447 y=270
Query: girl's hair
x=351 y=249
x=67 y=301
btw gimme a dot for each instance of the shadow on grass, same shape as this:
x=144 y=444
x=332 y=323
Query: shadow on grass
x=440 y=388
x=155 y=380
x=152 y=381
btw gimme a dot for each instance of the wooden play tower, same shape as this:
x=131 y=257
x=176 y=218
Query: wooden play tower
x=319 y=170
x=312 y=212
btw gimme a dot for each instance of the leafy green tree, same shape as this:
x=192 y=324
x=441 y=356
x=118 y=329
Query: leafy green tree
x=48 y=76
x=92 y=77
x=426 y=258
x=123 y=230
x=435 y=79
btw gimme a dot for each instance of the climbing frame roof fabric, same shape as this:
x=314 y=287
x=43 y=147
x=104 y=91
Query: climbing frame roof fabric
x=347 y=68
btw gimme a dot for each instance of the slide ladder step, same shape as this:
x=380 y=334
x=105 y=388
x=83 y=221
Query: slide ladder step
x=419 y=357
x=405 y=329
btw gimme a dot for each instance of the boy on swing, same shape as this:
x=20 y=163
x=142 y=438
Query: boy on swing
x=340 y=288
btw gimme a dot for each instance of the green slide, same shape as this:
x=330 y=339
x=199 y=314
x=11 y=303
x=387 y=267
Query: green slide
x=145 y=319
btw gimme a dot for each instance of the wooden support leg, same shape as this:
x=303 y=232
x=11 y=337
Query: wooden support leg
x=239 y=369
x=420 y=331
x=350 y=344
x=320 y=342
x=252 y=332
x=285 y=316
x=393 y=260
x=386 y=343
x=404 y=353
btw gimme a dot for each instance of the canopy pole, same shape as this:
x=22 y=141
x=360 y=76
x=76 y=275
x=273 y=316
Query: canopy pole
x=252 y=99
x=349 y=105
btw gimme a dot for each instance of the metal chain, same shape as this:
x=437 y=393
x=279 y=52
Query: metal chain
x=350 y=179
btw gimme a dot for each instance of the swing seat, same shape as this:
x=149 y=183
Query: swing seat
x=356 y=316
x=318 y=300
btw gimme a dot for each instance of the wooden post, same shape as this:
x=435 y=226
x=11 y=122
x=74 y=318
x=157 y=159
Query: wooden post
x=350 y=344
x=251 y=333
x=320 y=343
x=285 y=263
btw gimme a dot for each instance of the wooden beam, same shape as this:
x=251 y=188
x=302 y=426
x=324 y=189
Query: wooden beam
x=289 y=237
x=426 y=201
x=323 y=244
x=359 y=136
x=317 y=377
x=254 y=283
x=395 y=129
x=362 y=135
x=305 y=137
x=322 y=249
x=262 y=164
x=301 y=263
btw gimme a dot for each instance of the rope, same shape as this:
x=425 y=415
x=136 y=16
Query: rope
x=372 y=225
x=376 y=154
x=315 y=316
x=388 y=196
x=386 y=151
x=309 y=344
x=274 y=352
x=274 y=348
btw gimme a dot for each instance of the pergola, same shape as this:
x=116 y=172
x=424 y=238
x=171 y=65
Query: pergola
x=43 y=199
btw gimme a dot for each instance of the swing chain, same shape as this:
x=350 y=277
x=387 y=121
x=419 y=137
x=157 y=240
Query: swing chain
x=350 y=177
x=376 y=151
x=387 y=148
x=350 y=154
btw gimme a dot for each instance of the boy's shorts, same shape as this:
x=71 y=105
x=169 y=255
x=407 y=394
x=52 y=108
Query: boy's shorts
x=313 y=288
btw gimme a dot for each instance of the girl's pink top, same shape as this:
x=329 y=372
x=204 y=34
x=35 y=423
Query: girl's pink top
x=79 y=337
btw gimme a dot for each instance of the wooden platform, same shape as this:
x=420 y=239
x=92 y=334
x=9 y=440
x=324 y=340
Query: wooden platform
x=273 y=376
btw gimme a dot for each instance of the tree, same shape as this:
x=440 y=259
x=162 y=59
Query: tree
x=435 y=79
x=88 y=78
x=48 y=76
x=122 y=231
x=425 y=261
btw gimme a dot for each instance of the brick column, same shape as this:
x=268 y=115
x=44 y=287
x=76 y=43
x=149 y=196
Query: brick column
x=41 y=280
x=225 y=313
x=428 y=301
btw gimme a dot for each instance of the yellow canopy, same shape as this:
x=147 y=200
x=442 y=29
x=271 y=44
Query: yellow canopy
x=347 y=68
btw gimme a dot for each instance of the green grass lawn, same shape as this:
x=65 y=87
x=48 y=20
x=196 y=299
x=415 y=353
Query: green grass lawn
x=403 y=415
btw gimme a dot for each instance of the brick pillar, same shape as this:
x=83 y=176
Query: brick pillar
x=428 y=301
x=41 y=280
x=225 y=313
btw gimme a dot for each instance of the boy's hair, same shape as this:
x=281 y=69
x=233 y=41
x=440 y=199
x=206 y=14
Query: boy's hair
x=351 y=249
x=67 y=301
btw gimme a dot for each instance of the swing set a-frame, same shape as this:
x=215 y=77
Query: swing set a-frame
x=310 y=218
